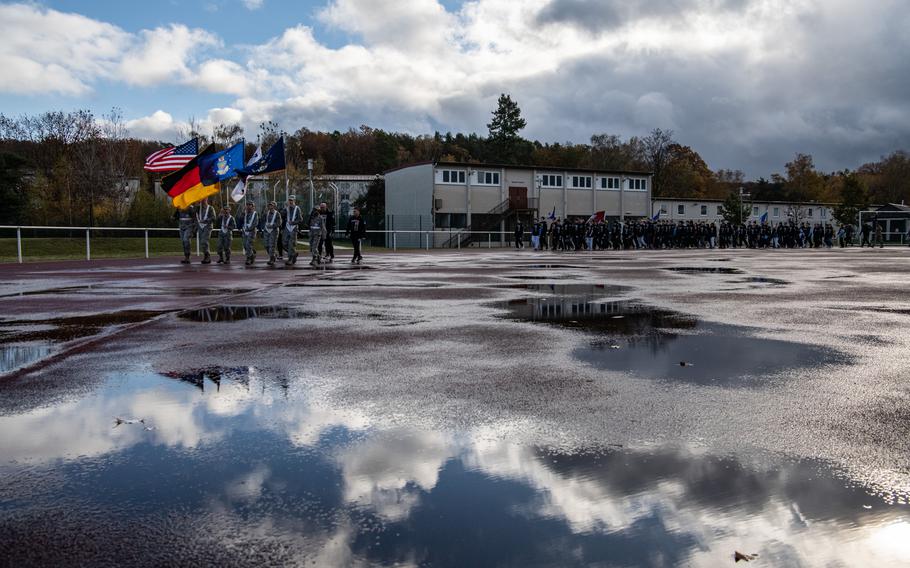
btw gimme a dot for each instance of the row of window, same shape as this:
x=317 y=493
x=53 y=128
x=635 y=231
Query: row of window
x=458 y=176
x=775 y=211
x=546 y=180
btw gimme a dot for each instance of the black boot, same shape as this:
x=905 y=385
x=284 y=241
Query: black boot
x=220 y=259
x=271 y=261
x=227 y=258
x=186 y=259
x=207 y=259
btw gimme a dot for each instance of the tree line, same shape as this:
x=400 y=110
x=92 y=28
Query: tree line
x=75 y=168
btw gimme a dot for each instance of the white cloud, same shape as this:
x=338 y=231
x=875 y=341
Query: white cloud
x=253 y=4
x=158 y=126
x=49 y=51
x=739 y=80
x=163 y=55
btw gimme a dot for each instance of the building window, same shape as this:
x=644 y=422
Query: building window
x=488 y=178
x=581 y=182
x=808 y=212
x=777 y=211
x=453 y=176
x=609 y=183
x=550 y=180
x=680 y=209
x=638 y=184
x=704 y=210
x=755 y=211
x=720 y=210
x=663 y=209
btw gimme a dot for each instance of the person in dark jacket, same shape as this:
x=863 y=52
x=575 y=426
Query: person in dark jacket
x=326 y=244
x=357 y=230
x=519 y=235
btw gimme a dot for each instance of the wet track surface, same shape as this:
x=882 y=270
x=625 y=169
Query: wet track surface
x=459 y=409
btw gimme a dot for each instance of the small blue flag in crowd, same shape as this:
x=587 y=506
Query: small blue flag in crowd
x=764 y=218
x=656 y=216
x=552 y=216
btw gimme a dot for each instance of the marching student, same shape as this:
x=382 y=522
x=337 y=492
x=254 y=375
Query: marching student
x=317 y=234
x=292 y=218
x=226 y=227
x=205 y=218
x=186 y=220
x=271 y=229
x=357 y=230
x=249 y=223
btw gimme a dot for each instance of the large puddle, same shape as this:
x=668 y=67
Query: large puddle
x=240 y=313
x=68 y=328
x=238 y=467
x=657 y=343
x=13 y=357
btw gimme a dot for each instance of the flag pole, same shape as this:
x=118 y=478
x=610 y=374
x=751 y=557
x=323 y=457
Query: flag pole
x=284 y=146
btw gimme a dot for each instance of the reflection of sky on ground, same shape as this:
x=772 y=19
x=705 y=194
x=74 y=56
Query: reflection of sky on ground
x=252 y=465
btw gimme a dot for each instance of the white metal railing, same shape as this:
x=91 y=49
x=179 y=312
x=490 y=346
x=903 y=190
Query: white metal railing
x=425 y=239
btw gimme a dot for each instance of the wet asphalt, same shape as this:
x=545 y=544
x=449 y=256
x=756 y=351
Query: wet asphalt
x=454 y=408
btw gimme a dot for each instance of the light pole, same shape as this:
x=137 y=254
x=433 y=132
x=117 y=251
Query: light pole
x=741 y=196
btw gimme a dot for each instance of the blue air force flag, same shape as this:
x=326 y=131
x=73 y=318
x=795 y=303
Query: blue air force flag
x=764 y=218
x=221 y=165
x=656 y=216
x=272 y=161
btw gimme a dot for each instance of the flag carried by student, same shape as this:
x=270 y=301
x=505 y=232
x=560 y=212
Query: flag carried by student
x=212 y=168
x=221 y=165
x=239 y=190
x=183 y=185
x=764 y=218
x=656 y=216
x=173 y=157
x=552 y=215
x=597 y=217
x=271 y=161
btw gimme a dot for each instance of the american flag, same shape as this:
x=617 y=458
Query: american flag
x=172 y=158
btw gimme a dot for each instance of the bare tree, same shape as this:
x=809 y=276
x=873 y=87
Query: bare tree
x=657 y=152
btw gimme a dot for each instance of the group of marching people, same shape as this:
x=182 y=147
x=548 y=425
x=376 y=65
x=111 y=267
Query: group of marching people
x=278 y=228
x=580 y=234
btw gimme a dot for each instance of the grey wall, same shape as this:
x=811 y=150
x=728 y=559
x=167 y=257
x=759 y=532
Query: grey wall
x=409 y=202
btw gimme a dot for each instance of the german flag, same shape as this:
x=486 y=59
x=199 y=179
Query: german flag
x=185 y=186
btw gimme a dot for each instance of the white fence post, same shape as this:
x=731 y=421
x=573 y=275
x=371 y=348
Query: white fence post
x=489 y=240
x=19 y=243
x=146 y=243
x=88 y=245
x=394 y=240
x=427 y=234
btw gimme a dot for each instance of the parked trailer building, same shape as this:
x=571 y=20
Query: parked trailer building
x=688 y=209
x=464 y=198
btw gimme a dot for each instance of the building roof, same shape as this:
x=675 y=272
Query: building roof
x=895 y=207
x=769 y=201
x=482 y=165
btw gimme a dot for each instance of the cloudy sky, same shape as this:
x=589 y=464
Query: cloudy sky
x=747 y=83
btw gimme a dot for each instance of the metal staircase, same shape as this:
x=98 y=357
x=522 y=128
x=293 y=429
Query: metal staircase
x=492 y=220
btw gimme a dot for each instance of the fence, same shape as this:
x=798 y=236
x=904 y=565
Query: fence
x=390 y=239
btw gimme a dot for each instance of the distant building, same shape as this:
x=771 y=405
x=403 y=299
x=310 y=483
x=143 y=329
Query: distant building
x=688 y=209
x=459 y=197
x=894 y=219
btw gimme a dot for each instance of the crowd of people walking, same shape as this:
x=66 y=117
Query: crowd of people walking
x=580 y=234
x=279 y=230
